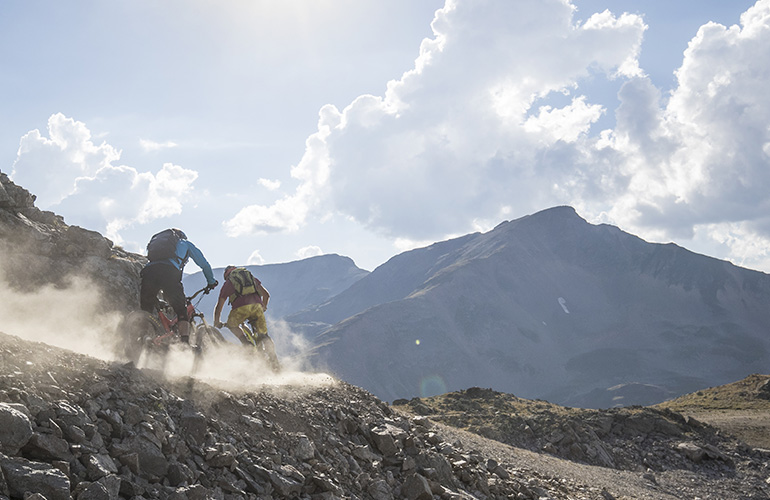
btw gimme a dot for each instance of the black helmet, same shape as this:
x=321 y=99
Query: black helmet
x=180 y=234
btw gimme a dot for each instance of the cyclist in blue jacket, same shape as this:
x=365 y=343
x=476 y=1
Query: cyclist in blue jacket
x=168 y=252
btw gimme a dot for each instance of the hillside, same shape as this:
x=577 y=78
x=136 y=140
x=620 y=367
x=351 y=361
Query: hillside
x=394 y=280
x=39 y=250
x=741 y=408
x=549 y=307
x=76 y=427
x=596 y=437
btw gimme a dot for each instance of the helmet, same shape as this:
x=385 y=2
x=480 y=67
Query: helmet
x=228 y=269
x=180 y=234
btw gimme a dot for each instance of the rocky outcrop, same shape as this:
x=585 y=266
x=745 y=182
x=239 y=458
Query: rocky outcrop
x=38 y=248
x=635 y=439
x=763 y=390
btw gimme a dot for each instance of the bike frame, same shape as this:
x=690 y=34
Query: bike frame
x=169 y=324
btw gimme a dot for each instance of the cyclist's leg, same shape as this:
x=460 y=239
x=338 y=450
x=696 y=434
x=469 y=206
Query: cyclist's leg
x=258 y=323
x=263 y=340
x=149 y=288
x=235 y=324
x=257 y=319
x=173 y=291
x=267 y=347
x=239 y=333
x=151 y=284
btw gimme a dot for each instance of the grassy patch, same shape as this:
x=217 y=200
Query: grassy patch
x=751 y=393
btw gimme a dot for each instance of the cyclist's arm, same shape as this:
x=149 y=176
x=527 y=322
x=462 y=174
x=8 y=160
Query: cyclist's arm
x=218 y=309
x=200 y=260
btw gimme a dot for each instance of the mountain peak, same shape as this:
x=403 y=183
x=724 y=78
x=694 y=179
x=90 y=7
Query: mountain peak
x=552 y=307
x=559 y=210
x=556 y=215
x=551 y=219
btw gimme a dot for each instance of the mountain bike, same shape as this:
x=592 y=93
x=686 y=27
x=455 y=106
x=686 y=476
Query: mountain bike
x=153 y=334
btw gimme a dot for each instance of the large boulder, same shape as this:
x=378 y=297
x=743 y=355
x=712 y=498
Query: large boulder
x=15 y=429
x=23 y=476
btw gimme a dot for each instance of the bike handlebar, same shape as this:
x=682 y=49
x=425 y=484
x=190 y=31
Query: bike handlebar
x=206 y=289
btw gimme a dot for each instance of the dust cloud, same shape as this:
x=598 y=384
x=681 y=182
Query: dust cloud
x=70 y=316
x=232 y=364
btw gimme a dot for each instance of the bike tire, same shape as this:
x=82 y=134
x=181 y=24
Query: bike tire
x=207 y=337
x=266 y=347
x=134 y=331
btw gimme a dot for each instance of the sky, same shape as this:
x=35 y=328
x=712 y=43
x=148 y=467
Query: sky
x=271 y=131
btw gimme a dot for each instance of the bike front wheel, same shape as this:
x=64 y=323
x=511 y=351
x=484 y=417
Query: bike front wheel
x=206 y=337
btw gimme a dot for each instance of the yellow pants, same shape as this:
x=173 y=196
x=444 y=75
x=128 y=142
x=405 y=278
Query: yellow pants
x=249 y=312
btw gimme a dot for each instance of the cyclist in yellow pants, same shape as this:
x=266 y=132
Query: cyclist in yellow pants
x=248 y=301
x=247 y=305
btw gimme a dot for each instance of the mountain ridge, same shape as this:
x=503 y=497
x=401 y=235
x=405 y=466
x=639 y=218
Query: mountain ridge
x=562 y=307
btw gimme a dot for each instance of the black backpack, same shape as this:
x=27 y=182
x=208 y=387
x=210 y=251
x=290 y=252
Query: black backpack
x=162 y=246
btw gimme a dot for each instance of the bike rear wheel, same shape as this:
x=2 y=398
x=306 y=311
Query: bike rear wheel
x=135 y=331
x=266 y=348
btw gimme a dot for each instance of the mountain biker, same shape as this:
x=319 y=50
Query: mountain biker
x=244 y=307
x=168 y=252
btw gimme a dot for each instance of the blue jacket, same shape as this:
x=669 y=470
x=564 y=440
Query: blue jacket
x=186 y=250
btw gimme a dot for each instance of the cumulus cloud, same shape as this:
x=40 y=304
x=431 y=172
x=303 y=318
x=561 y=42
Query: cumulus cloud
x=698 y=166
x=457 y=137
x=68 y=172
x=291 y=212
x=255 y=259
x=270 y=185
x=119 y=197
x=309 y=251
x=50 y=166
x=149 y=145
x=492 y=119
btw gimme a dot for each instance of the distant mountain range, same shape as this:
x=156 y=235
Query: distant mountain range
x=293 y=286
x=546 y=306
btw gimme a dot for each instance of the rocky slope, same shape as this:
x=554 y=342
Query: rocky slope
x=38 y=249
x=636 y=438
x=76 y=427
